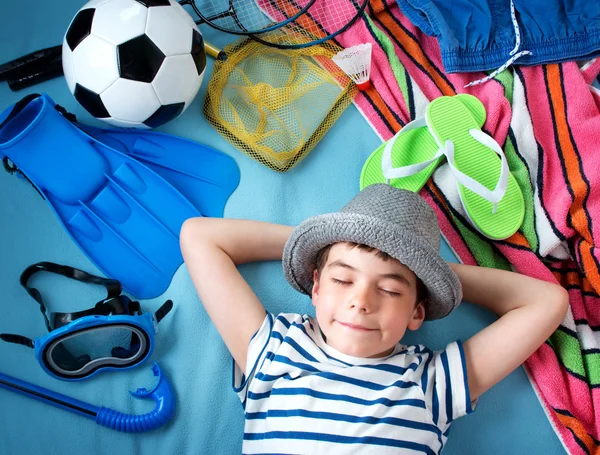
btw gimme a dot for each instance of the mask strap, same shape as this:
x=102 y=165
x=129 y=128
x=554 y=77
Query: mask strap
x=118 y=305
x=113 y=287
x=163 y=310
x=113 y=303
x=17 y=339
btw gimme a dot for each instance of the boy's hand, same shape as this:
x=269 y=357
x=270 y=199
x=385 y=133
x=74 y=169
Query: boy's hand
x=530 y=310
x=211 y=248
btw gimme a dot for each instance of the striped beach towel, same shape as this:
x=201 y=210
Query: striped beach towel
x=548 y=120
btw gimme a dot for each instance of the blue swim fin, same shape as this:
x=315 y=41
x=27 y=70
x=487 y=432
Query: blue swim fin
x=124 y=210
x=205 y=176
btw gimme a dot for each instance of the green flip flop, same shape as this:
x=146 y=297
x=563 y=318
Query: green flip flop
x=408 y=159
x=488 y=191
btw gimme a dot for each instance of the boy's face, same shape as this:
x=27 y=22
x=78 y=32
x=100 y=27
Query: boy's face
x=365 y=304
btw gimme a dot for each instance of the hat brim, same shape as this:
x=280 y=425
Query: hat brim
x=310 y=237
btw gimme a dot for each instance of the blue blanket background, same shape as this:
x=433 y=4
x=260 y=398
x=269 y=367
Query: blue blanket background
x=209 y=418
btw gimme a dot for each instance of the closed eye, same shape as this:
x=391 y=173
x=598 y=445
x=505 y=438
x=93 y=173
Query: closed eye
x=343 y=283
x=391 y=293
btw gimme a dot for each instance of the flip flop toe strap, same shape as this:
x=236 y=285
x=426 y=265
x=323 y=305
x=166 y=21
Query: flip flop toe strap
x=494 y=196
x=391 y=172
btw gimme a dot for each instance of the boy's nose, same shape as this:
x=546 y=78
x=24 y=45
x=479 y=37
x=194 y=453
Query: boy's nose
x=361 y=300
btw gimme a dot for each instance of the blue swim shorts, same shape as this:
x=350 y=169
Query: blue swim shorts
x=478 y=35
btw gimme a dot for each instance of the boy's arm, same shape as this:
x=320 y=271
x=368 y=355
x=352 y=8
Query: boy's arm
x=530 y=310
x=211 y=248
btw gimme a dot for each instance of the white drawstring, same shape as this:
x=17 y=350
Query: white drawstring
x=515 y=54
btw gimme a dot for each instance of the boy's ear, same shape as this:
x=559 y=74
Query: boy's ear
x=315 y=289
x=418 y=316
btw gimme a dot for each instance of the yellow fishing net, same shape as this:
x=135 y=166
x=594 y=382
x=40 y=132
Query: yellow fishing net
x=275 y=105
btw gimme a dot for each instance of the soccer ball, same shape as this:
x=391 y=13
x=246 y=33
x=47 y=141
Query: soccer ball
x=133 y=63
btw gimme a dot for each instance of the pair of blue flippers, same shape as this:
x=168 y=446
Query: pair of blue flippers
x=122 y=195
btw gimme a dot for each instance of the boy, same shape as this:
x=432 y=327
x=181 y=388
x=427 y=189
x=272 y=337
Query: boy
x=342 y=382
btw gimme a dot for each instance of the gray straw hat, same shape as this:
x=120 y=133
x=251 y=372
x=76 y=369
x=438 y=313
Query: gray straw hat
x=397 y=222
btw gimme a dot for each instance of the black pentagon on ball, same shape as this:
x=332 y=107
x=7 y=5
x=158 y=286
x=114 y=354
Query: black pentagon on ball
x=90 y=101
x=80 y=27
x=139 y=59
x=164 y=114
x=198 y=52
x=151 y=3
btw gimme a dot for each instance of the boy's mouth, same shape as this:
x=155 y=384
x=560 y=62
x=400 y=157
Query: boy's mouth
x=356 y=326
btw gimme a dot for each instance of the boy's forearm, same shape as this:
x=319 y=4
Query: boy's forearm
x=500 y=291
x=242 y=240
x=529 y=312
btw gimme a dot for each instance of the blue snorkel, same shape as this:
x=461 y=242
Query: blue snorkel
x=162 y=394
x=113 y=334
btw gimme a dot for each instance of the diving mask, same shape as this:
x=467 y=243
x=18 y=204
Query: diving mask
x=112 y=335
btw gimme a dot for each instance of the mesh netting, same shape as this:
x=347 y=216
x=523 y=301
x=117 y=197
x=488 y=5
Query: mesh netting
x=275 y=105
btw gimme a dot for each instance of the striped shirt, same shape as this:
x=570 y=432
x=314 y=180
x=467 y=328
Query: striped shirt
x=301 y=396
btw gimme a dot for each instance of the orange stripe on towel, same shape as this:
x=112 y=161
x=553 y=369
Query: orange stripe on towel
x=572 y=279
x=579 y=432
x=305 y=21
x=382 y=108
x=518 y=239
x=572 y=164
x=566 y=147
x=411 y=47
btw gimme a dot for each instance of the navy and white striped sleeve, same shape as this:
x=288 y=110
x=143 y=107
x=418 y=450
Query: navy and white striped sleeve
x=257 y=350
x=446 y=385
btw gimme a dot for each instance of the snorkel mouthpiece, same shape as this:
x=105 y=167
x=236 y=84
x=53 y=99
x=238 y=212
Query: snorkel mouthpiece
x=162 y=394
